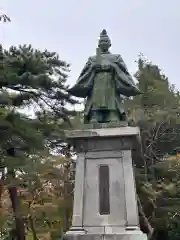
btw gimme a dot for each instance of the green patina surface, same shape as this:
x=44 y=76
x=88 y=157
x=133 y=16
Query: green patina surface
x=103 y=82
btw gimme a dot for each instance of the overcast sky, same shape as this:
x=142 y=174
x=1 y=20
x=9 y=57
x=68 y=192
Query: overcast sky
x=72 y=28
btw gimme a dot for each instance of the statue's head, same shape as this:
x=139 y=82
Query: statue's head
x=104 y=41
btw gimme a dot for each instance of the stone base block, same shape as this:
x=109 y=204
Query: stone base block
x=124 y=236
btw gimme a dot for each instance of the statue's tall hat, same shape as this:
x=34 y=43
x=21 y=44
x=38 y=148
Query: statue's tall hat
x=104 y=36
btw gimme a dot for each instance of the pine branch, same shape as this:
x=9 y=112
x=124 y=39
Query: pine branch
x=4 y=18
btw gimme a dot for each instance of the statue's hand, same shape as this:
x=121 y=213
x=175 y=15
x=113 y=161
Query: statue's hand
x=106 y=67
x=97 y=66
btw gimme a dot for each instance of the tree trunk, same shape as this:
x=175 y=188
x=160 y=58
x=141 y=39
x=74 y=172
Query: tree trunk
x=148 y=226
x=20 y=228
x=31 y=222
x=2 y=183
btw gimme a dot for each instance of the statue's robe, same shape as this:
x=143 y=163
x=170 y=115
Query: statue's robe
x=103 y=87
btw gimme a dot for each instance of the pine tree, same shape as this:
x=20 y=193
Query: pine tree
x=156 y=112
x=29 y=79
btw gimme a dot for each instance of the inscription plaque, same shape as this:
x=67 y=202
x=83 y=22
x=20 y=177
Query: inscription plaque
x=104 y=203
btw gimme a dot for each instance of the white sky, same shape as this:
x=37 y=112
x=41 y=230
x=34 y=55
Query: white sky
x=72 y=28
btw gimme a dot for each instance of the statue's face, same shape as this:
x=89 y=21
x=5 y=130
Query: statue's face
x=104 y=44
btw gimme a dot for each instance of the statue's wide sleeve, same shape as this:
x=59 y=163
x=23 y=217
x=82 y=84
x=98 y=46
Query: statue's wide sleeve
x=124 y=81
x=122 y=64
x=84 y=82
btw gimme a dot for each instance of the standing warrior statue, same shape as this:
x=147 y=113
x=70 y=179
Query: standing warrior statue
x=103 y=81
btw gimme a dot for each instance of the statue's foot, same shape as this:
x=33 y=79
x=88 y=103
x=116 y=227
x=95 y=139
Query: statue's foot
x=113 y=120
x=113 y=117
x=93 y=121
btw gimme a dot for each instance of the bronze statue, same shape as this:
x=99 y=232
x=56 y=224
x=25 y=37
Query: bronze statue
x=102 y=82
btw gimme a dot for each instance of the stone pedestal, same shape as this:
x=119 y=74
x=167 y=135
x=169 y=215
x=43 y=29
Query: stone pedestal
x=105 y=203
